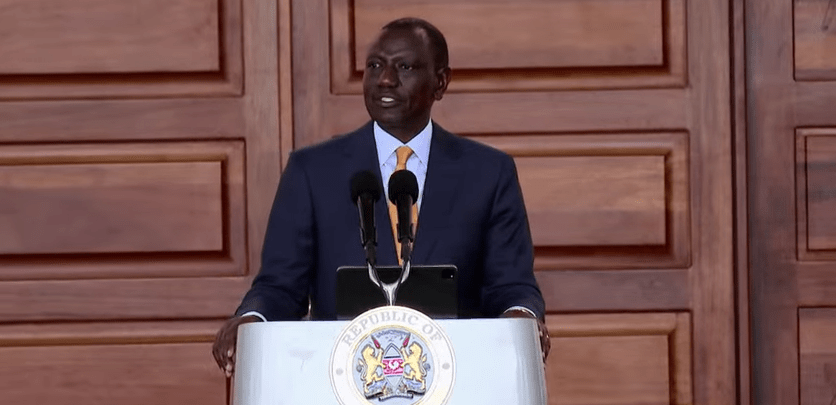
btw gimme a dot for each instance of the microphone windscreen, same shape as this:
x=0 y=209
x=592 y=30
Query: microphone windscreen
x=364 y=182
x=403 y=182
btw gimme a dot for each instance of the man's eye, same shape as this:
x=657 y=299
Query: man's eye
x=372 y=65
x=405 y=66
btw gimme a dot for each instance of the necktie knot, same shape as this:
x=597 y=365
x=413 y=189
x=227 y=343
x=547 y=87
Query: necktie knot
x=403 y=153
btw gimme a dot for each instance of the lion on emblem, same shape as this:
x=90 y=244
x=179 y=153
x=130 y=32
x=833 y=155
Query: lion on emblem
x=415 y=361
x=369 y=365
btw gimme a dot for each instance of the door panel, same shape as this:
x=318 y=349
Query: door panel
x=620 y=359
x=139 y=154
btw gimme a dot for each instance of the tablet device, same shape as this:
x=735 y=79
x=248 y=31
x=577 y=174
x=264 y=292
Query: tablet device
x=432 y=290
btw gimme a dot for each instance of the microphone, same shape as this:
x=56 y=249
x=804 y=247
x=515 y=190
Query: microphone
x=403 y=192
x=365 y=191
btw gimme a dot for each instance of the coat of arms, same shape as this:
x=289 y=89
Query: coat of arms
x=392 y=356
x=396 y=368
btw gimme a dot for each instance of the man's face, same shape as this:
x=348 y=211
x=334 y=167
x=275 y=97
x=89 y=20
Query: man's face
x=401 y=82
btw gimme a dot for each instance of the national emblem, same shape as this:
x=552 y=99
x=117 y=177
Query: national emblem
x=395 y=355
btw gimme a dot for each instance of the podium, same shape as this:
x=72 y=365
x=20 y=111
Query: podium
x=494 y=361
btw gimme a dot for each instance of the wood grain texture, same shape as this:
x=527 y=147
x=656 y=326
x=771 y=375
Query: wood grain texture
x=96 y=209
x=516 y=31
x=79 y=327
x=820 y=164
x=619 y=200
x=816 y=284
x=614 y=290
x=771 y=122
x=264 y=121
x=741 y=226
x=110 y=363
x=111 y=208
x=530 y=45
x=100 y=36
x=712 y=276
x=484 y=111
x=133 y=120
x=817 y=356
x=812 y=101
x=120 y=299
x=814 y=28
x=619 y=359
x=96 y=48
x=595 y=200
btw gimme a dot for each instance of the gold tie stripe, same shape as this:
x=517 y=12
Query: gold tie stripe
x=403 y=153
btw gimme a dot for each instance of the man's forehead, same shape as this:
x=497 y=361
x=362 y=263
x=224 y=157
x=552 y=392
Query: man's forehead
x=388 y=35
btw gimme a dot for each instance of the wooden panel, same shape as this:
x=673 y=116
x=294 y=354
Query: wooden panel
x=604 y=200
x=816 y=284
x=821 y=192
x=95 y=48
x=162 y=120
x=817 y=351
x=136 y=120
x=634 y=37
x=126 y=298
x=815 y=39
x=816 y=194
x=614 y=290
x=619 y=359
x=124 y=364
x=102 y=36
x=595 y=200
x=111 y=207
x=530 y=44
x=89 y=203
x=813 y=103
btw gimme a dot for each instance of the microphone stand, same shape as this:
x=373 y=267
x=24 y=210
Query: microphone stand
x=390 y=290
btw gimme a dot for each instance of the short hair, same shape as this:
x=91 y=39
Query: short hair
x=436 y=38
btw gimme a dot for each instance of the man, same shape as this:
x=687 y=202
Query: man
x=471 y=212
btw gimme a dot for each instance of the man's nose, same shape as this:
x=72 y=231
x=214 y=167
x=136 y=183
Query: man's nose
x=388 y=77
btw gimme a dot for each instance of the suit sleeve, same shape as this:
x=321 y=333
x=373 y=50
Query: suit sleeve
x=509 y=254
x=280 y=290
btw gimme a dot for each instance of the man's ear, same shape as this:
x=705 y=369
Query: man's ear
x=443 y=76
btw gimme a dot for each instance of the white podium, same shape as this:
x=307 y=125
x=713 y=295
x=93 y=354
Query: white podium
x=496 y=361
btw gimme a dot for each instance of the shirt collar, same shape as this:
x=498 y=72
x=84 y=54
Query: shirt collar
x=386 y=143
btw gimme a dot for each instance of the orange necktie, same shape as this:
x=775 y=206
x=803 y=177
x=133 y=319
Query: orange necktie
x=404 y=152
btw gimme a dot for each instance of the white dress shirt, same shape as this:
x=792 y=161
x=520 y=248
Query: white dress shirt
x=387 y=144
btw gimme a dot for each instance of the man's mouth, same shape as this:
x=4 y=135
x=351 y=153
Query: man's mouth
x=386 y=101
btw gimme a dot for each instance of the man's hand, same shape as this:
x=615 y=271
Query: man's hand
x=545 y=340
x=225 y=340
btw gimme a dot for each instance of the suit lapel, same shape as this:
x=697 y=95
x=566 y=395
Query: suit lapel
x=363 y=156
x=440 y=193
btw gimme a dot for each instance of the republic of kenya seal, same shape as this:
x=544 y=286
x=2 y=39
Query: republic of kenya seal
x=394 y=356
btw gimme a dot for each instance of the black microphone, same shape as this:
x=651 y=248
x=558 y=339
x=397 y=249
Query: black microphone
x=365 y=191
x=403 y=192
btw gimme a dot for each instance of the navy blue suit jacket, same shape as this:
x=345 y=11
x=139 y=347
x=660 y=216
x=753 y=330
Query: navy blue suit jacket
x=472 y=216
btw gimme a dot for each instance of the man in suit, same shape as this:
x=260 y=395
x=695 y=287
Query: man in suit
x=470 y=207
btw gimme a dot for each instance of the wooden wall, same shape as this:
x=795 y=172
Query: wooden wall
x=791 y=77
x=141 y=142
x=139 y=152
